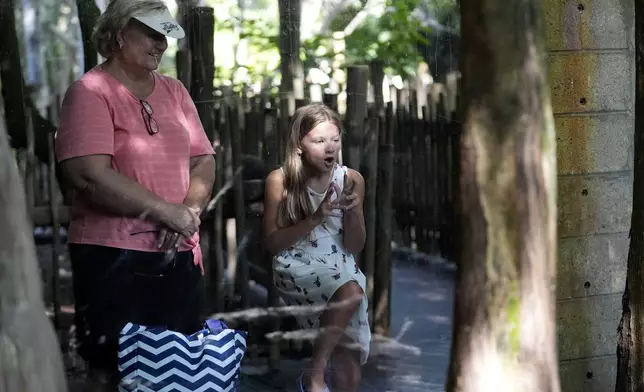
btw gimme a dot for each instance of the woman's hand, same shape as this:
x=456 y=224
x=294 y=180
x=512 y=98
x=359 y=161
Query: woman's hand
x=180 y=219
x=328 y=207
x=169 y=239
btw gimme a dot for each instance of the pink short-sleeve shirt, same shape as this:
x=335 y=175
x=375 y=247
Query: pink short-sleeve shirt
x=100 y=116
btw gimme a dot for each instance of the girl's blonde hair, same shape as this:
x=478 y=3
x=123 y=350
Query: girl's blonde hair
x=295 y=205
x=116 y=16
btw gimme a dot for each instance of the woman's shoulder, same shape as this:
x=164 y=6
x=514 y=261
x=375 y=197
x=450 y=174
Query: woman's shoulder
x=93 y=90
x=170 y=82
x=91 y=82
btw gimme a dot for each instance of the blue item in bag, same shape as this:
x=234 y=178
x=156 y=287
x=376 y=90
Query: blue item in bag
x=153 y=359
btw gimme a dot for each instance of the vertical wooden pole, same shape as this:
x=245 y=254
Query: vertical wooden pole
x=377 y=69
x=369 y=169
x=199 y=55
x=216 y=280
x=226 y=122
x=201 y=37
x=271 y=137
x=270 y=143
x=286 y=110
x=356 y=112
x=241 y=281
x=383 y=262
x=331 y=100
x=183 y=64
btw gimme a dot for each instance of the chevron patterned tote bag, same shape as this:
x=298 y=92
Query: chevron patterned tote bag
x=161 y=360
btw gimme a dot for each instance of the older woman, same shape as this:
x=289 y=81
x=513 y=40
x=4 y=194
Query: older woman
x=140 y=166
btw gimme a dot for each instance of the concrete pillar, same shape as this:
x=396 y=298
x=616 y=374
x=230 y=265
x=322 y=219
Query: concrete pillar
x=590 y=47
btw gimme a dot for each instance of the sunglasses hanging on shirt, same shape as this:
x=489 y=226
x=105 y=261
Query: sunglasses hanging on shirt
x=150 y=123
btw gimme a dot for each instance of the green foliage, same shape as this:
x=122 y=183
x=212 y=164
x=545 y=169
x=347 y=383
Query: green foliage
x=261 y=37
x=262 y=34
x=392 y=37
x=345 y=16
x=446 y=12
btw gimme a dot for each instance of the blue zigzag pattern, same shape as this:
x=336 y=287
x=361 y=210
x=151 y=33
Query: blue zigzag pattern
x=160 y=360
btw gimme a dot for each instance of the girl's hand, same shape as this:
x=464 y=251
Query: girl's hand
x=349 y=198
x=328 y=207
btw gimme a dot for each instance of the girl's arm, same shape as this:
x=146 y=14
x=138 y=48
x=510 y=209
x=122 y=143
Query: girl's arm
x=277 y=239
x=354 y=227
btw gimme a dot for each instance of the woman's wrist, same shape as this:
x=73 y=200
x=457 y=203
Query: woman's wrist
x=157 y=211
x=196 y=208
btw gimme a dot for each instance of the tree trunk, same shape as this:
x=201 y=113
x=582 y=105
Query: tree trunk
x=292 y=84
x=30 y=358
x=630 y=348
x=504 y=335
x=289 y=46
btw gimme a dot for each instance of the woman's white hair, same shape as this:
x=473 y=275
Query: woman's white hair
x=116 y=16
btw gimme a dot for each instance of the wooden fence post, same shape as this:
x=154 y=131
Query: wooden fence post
x=383 y=264
x=201 y=37
x=183 y=64
x=270 y=144
x=331 y=100
x=241 y=282
x=355 y=114
x=216 y=292
x=369 y=168
x=377 y=69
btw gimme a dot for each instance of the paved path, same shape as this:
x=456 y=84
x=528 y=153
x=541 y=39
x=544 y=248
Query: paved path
x=422 y=299
x=422 y=293
x=421 y=319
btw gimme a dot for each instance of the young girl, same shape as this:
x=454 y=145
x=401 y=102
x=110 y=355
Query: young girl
x=313 y=224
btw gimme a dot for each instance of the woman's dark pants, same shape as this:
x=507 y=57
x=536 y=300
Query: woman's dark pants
x=115 y=286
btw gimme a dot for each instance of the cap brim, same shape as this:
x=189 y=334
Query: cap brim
x=164 y=23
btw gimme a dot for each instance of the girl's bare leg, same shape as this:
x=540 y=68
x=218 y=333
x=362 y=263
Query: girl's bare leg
x=333 y=321
x=346 y=372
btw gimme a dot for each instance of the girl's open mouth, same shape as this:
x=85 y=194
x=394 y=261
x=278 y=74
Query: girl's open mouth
x=329 y=160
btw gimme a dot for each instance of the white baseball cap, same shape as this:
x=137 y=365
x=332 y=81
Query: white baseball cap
x=163 y=22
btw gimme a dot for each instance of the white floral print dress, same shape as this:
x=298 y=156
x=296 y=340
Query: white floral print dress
x=309 y=272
